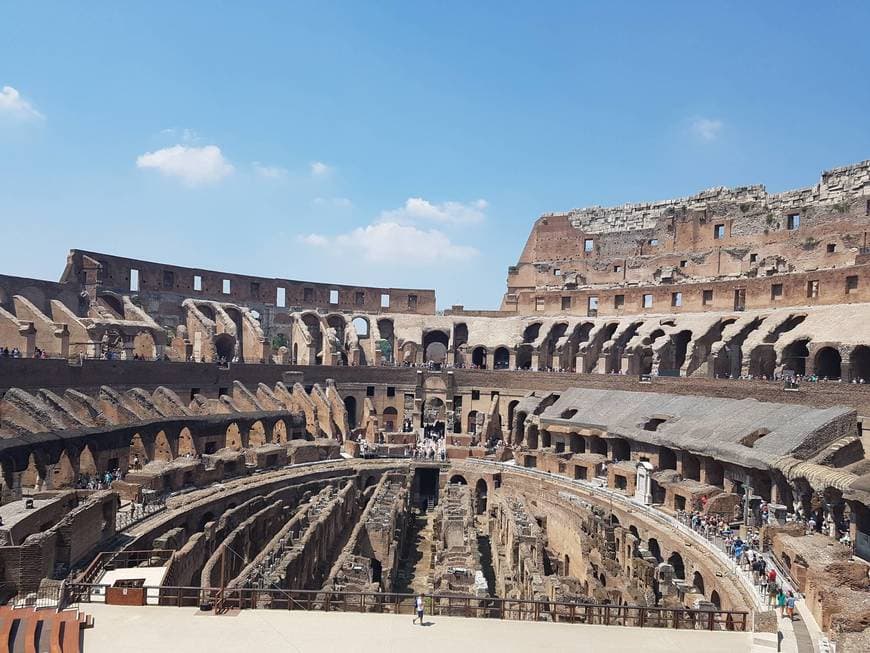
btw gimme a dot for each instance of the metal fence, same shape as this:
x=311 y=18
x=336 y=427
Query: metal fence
x=222 y=600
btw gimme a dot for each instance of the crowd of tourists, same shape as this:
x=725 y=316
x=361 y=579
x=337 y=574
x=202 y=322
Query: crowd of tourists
x=98 y=481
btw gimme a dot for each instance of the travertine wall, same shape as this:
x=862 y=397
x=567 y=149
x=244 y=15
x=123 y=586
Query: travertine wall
x=742 y=236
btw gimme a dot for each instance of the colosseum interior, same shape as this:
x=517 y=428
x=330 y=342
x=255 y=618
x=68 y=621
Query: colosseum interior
x=662 y=381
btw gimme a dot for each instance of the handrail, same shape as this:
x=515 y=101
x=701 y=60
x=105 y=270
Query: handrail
x=437 y=604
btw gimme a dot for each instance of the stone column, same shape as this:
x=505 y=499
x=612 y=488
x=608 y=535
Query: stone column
x=490 y=360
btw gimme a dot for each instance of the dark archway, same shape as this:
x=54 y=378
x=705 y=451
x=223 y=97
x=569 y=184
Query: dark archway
x=676 y=561
x=827 y=363
x=224 y=346
x=794 y=357
x=480 y=493
x=478 y=357
x=860 y=363
x=435 y=347
x=350 y=407
x=458 y=479
x=654 y=549
x=501 y=359
x=512 y=406
x=524 y=357
x=472 y=422
x=715 y=600
x=698 y=583
x=391 y=416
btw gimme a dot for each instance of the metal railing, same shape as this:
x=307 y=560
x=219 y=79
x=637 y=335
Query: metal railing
x=436 y=605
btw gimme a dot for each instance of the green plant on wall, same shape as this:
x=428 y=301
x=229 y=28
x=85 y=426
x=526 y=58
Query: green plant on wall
x=279 y=340
x=385 y=348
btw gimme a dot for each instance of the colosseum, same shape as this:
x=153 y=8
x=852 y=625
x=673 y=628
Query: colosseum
x=659 y=433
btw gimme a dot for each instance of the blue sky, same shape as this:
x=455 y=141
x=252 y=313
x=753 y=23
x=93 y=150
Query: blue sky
x=400 y=144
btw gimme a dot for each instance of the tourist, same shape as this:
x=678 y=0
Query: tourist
x=772 y=592
x=419 y=609
x=789 y=605
x=780 y=601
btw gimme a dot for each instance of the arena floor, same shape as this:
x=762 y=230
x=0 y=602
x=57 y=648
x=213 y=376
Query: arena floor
x=121 y=629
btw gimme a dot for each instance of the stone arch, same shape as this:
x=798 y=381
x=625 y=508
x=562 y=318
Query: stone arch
x=34 y=475
x=390 y=419
x=532 y=436
x=501 y=358
x=361 y=326
x=65 y=473
x=186 y=443
x=512 y=406
x=655 y=549
x=224 y=346
x=478 y=357
x=519 y=426
x=163 y=449
x=794 y=356
x=87 y=462
x=256 y=434
x=435 y=343
x=524 y=357
x=139 y=453
x=350 y=407
x=532 y=331
x=386 y=344
x=859 y=360
x=762 y=361
x=471 y=422
x=715 y=600
x=621 y=449
x=233 y=437
x=675 y=560
x=409 y=353
x=667 y=458
x=698 y=583
x=480 y=494
x=279 y=432
x=144 y=345
x=827 y=363
x=691 y=467
x=546 y=439
x=458 y=479
x=311 y=323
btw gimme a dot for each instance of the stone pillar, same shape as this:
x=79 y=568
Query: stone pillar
x=490 y=360
x=535 y=360
x=512 y=359
x=602 y=364
x=28 y=332
x=61 y=332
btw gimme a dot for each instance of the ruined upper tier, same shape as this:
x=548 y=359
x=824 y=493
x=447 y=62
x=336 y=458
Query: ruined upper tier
x=720 y=235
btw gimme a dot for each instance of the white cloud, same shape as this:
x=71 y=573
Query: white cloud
x=270 y=172
x=12 y=104
x=320 y=169
x=385 y=242
x=186 y=135
x=334 y=202
x=417 y=210
x=706 y=129
x=314 y=239
x=195 y=166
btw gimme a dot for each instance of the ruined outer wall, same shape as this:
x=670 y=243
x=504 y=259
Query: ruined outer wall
x=742 y=233
x=39 y=292
x=166 y=285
